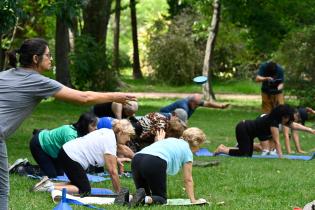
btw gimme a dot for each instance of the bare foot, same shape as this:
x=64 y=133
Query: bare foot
x=301 y=152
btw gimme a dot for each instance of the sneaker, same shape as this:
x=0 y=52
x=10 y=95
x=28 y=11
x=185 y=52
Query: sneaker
x=138 y=198
x=273 y=152
x=123 y=197
x=44 y=185
x=17 y=163
x=265 y=152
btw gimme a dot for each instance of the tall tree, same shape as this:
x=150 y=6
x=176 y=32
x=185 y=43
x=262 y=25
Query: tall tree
x=65 y=12
x=137 y=74
x=116 y=37
x=206 y=70
x=96 y=16
x=62 y=49
x=8 y=20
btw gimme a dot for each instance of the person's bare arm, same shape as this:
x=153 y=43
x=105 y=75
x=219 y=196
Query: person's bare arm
x=297 y=126
x=90 y=97
x=189 y=182
x=275 y=137
x=117 y=109
x=310 y=110
x=215 y=105
x=125 y=151
x=262 y=79
x=286 y=134
x=280 y=86
x=111 y=166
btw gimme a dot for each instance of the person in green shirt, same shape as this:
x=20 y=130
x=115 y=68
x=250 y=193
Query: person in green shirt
x=45 y=144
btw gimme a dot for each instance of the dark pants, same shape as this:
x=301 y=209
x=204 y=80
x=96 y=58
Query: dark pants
x=149 y=172
x=75 y=173
x=50 y=166
x=244 y=140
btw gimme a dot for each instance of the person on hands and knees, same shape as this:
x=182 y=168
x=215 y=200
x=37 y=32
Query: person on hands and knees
x=267 y=125
x=152 y=164
x=97 y=148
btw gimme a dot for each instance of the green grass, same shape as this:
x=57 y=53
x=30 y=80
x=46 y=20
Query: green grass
x=219 y=86
x=237 y=183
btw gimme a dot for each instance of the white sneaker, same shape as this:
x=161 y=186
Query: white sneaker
x=18 y=162
x=45 y=185
x=265 y=152
x=273 y=152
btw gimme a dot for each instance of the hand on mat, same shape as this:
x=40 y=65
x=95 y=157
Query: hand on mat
x=201 y=200
x=160 y=134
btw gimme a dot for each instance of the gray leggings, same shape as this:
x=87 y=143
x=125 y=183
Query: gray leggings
x=4 y=177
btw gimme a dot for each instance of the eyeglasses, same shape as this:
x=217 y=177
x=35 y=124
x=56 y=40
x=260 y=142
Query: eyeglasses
x=48 y=55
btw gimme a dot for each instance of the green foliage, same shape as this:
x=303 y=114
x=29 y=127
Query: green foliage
x=297 y=54
x=268 y=21
x=173 y=55
x=89 y=68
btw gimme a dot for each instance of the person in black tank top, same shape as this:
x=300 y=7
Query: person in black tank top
x=268 y=125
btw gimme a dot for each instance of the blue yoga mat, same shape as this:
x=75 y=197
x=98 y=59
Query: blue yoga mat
x=206 y=152
x=101 y=191
x=64 y=178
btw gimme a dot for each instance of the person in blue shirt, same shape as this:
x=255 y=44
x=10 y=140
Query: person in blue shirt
x=271 y=75
x=151 y=165
x=190 y=104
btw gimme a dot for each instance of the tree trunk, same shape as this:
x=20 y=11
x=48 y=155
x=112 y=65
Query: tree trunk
x=2 y=54
x=62 y=49
x=137 y=74
x=206 y=71
x=96 y=17
x=116 y=38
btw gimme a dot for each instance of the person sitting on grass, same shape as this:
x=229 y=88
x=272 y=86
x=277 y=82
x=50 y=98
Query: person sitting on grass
x=152 y=164
x=97 y=148
x=267 y=125
x=190 y=104
x=45 y=144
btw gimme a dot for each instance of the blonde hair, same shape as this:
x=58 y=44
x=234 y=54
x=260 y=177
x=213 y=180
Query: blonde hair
x=123 y=126
x=194 y=136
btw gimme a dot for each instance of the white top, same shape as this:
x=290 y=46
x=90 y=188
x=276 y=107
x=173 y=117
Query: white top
x=91 y=148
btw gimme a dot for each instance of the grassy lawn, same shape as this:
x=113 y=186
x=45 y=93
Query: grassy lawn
x=237 y=183
x=219 y=86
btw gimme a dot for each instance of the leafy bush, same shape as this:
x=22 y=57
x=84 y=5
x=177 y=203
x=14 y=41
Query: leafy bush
x=297 y=55
x=89 y=69
x=173 y=54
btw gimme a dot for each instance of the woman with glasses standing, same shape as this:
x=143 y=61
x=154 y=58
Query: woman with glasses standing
x=22 y=88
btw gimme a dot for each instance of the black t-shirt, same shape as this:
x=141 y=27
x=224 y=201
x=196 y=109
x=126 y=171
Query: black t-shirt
x=105 y=110
x=260 y=127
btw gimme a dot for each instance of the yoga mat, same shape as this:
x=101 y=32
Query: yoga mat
x=64 y=178
x=206 y=152
x=57 y=195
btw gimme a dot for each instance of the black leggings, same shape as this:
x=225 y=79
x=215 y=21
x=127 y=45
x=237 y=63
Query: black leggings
x=244 y=140
x=75 y=173
x=50 y=166
x=149 y=172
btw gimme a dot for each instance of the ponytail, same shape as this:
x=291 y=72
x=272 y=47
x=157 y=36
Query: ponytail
x=11 y=55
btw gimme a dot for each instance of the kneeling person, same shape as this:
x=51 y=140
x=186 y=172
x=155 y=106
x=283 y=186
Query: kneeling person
x=151 y=165
x=98 y=148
